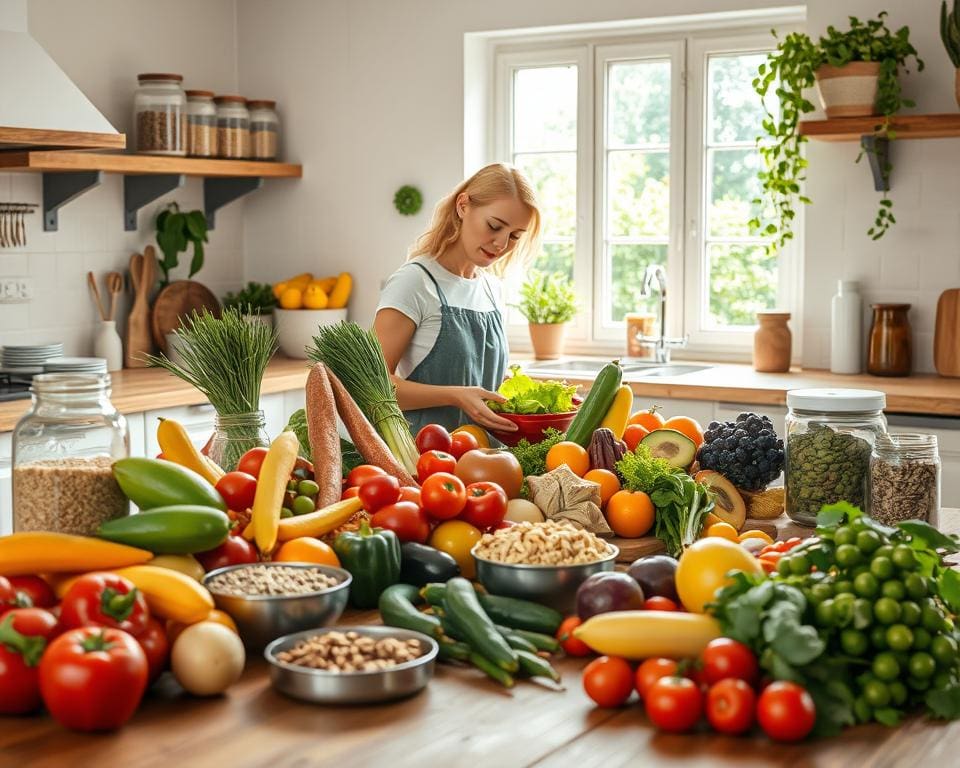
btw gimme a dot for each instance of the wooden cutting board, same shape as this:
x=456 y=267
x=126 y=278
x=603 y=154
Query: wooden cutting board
x=946 y=335
x=180 y=299
x=143 y=271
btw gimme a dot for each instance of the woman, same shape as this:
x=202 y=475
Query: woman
x=439 y=319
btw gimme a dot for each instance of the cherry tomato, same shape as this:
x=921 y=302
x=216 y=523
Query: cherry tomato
x=405 y=519
x=350 y=492
x=443 y=495
x=433 y=437
x=33 y=590
x=251 y=461
x=432 y=462
x=237 y=489
x=572 y=646
x=234 y=551
x=156 y=647
x=363 y=472
x=730 y=706
x=724 y=657
x=651 y=670
x=8 y=596
x=674 y=704
x=24 y=634
x=608 y=681
x=409 y=493
x=786 y=711
x=104 y=600
x=659 y=603
x=462 y=442
x=486 y=505
x=377 y=492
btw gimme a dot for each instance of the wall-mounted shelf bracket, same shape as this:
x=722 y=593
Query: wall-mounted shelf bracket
x=141 y=190
x=877 y=150
x=220 y=190
x=60 y=188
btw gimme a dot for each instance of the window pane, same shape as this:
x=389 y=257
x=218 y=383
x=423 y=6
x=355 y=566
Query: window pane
x=743 y=280
x=733 y=185
x=638 y=194
x=554 y=176
x=627 y=265
x=734 y=109
x=545 y=109
x=555 y=257
x=638 y=94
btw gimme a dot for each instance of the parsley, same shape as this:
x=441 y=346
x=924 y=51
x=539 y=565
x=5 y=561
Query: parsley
x=640 y=471
x=533 y=456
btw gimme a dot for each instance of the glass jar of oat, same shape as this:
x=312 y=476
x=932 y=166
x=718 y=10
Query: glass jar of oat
x=201 y=124
x=264 y=129
x=233 y=127
x=160 y=115
x=905 y=479
x=63 y=450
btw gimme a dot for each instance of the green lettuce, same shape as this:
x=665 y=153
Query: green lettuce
x=526 y=395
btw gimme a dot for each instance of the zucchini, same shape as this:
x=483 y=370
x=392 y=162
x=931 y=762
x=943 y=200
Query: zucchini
x=180 y=529
x=508 y=611
x=538 y=640
x=453 y=651
x=535 y=666
x=398 y=609
x=490 y=669
x=598 y=401
x=461 y=604
x=420 y=564
x=516 y=642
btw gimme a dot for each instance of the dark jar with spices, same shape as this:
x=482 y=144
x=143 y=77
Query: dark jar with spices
x=890 y=351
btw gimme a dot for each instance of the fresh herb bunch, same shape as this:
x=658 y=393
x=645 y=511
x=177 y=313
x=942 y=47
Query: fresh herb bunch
x=641 y=471
x=682 y=505
x=175 y=230
x=547 y=299
x=254 y=299
x=788 y=71
x=533 y=456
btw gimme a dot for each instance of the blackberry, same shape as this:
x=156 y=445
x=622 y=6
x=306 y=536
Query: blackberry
x=746 y=451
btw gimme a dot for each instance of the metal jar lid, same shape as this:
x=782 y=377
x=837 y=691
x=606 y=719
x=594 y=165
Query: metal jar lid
x=836 y=400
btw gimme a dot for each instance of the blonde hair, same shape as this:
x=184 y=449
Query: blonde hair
x=490 y=183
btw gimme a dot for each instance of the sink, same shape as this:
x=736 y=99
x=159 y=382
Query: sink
x=668 y=369
x=632 y=368
x=581 y=366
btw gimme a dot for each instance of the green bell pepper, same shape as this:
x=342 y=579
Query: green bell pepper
x=372 y=556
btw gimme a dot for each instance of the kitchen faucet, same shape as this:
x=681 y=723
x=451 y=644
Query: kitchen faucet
x=656 y=274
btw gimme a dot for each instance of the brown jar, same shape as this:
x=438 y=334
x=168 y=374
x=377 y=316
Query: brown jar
x=772 y=343
x=890 y=351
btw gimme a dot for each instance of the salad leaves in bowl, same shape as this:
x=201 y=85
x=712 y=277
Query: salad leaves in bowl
x=534 y=406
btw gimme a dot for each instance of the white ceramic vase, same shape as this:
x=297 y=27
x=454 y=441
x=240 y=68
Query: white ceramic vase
x=107 y=344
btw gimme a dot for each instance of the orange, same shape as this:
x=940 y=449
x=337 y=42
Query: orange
x=689 y=427
x=649 y=419
x=633 y=434
x=723 y=530
x=756 y=533
x=569 y=453
x=307 y=549
x=630 y=513
x=710 y=519
x=609 y=483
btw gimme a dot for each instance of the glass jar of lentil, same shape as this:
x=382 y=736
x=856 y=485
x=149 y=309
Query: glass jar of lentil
x=63 y=451
x=233 y=127
x=264 y=129
x=905 y=479
x=160 y=115
x=201 y=124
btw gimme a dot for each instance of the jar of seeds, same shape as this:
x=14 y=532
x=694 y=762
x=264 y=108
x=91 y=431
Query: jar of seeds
x=264 y=129
x=233 y=127
x=160 y=115
x=905 y=479
x=63 y=451
x=201 y=124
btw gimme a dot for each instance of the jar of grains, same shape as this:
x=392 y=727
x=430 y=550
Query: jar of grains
x=830 y=435
x=905 y=479
x=233 y=127
x=264 y=129
x=160 y=115
x=201 y=124
x=63 y=451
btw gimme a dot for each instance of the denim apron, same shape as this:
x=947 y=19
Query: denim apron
x=470 y=351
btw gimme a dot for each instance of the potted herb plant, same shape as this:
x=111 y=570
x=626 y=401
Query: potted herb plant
x=950 y=34
x=176 y=229
x=547 y=302
x=855 y=72
x=255 y=302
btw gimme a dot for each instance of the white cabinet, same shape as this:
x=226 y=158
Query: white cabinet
x=197 y=420
x=701 y=410
x=6 y=483
x=137 y=431
x=274 y=413
x=294 y=400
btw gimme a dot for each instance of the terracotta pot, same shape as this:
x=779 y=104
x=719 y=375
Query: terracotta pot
x=547 y=340
x=850 y=90
x=772 y=343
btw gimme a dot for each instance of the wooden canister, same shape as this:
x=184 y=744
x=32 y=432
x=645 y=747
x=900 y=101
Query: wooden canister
x=772 y=343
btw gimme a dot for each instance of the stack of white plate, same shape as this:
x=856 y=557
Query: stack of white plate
x=75 y=365
x=29 y=357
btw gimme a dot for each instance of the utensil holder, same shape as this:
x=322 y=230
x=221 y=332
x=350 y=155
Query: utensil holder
x=107 y=344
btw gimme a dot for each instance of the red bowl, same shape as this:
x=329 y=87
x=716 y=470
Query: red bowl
x=532 y=426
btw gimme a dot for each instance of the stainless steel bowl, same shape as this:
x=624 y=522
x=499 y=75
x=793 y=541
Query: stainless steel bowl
x=263 y=618
x=351 y=687
x=553 y=585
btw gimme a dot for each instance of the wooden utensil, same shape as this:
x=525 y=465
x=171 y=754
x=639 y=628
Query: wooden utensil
x=114 y=286
x=92 y=282
x=946 y=335
x=177 y=300
x=138 y=323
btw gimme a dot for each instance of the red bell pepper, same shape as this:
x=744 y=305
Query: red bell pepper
x=104 y=600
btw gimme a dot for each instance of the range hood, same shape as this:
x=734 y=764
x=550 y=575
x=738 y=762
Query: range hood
x=39 y=105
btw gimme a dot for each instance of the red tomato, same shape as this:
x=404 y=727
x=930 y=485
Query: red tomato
x=724 y=657
x=486 y=505
x=405 y=519
x=92 y=679
x=462 y=442
x=432 y=462
x=251 y=461
x=8 y=596
x=237 y=489
x=363 y=472
x=433 y=437
x=378 y=492
x=443 y=495
x=652 y=670
x=659 y=603
x=350 y=492
x=572 y=646
x=156 y=647
x=730 y=706
x=24 y=633
x=35 y=590
x=104 y=600
x=608 y=681
x=234 y=551
x=786 y=711
x=674 y=704
x=409 y=493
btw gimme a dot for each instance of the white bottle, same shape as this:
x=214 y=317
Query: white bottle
x=846 y=328
x=107 y=344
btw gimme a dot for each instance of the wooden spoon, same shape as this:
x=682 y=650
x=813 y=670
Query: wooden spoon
x=114 y=286
x=92 y=281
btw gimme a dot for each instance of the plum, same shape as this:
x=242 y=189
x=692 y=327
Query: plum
x=608 y=591
x=656 y=575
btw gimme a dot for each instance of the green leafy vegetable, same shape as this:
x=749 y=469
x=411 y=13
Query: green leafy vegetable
x=640 y=471
x=526 y=395
x=945 y=703
x=533 y=456
x=682 y=504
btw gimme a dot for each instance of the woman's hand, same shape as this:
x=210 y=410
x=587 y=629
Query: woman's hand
x=472 y=401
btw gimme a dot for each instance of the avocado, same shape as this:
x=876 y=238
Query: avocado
x=674 y=446
x=729 y=503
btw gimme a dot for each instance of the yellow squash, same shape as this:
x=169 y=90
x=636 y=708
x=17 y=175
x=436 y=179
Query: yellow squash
x=185 y=564
x=320 y=522
x=643 y=634
x=340 y=294
x=178 y=448
x=41 y=552
x=326 y=283
x=619 y=411
x=271 y=485
x=170 y=594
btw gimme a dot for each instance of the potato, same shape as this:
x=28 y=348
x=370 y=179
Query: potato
x=520 y=510
x=207 y=658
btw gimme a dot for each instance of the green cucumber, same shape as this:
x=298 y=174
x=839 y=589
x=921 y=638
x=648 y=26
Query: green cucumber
x=490 y=669
x=398 y=608
x=181 y=529
x=151 y=483
x=538 y=640
x=508 y=611
x=597 y=403
x=516 y=642
x=461 y=603
x=454 y=651
x=535 y=666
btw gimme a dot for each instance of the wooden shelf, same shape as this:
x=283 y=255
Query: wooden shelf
x=45 y=161
x=35 y=137
x=903 y=126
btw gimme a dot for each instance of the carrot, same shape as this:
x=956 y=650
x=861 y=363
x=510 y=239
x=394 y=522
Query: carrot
x=324 y=438
x=364 y=436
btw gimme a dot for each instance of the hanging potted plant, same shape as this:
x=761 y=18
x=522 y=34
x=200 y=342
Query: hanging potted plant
x=950 y=34
x=548 y=302
x=855 y=72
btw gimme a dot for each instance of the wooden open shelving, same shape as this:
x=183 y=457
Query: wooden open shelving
x=903 y=126
x=40 y=137
x=54 y=161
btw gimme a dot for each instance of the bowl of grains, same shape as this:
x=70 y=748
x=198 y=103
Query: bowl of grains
x=351 y=665
x=543 y=562
x=269 y=600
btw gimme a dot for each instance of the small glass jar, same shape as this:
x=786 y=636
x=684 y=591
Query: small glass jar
x=890 y=352
x=233 y=127
x=905 y=479
x=201 y=124
x=264 y=129
x=160 y=115
x=830 y=434
x=234 y=434
x=63 y=451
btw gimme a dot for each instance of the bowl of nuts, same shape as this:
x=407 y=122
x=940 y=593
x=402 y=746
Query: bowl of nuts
x=269 y=600
x=351 y=665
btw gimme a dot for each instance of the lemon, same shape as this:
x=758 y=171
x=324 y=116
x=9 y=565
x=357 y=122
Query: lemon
x=315 y=298
x=291 y=298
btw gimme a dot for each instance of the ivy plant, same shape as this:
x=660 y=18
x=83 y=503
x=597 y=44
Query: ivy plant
x=547 y=299
x=176 y=229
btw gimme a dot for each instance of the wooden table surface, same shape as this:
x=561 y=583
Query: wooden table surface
x=460 y=719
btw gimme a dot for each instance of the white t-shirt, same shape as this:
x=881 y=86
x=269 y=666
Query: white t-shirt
x=410 y=291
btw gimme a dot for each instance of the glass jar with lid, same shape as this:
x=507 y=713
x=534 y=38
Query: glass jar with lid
x=63 y=451
x=830 y=434
x=233 y=127
x=160 y=115
x=264 y=129
x=201 y=124
x=905 y=479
